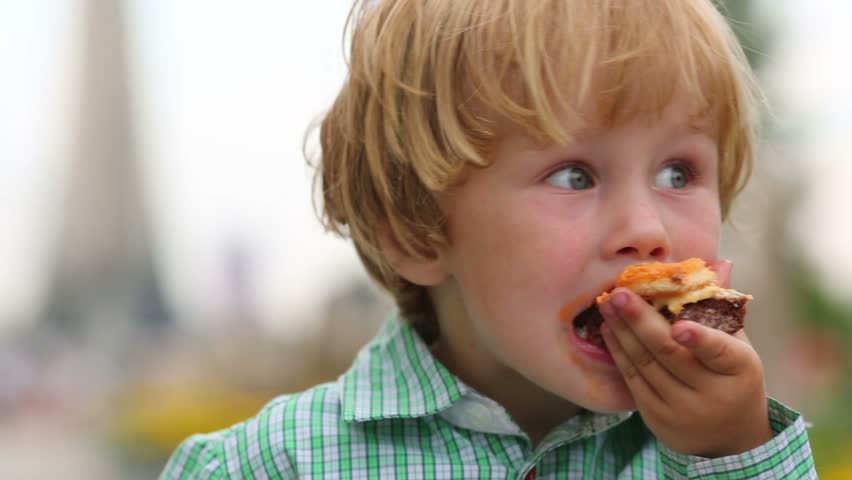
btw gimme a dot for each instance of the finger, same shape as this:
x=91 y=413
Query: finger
x=741 y=335
x=642 y=392
x=720 y=352
x=653 y=333
x=723 y=271
x=644 y=337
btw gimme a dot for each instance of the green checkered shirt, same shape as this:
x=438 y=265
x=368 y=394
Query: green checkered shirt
x=399 y=413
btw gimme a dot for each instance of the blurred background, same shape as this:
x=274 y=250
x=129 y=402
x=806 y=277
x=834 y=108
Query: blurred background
x=163 y=273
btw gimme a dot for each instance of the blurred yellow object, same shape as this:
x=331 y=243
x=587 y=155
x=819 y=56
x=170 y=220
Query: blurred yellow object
x=836 y=472
x=161 y=416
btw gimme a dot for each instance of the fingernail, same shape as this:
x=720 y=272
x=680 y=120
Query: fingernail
x=683 y=337
x=619 y=299
x=606 y=310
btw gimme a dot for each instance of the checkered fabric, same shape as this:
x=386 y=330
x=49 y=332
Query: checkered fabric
x=399 y=414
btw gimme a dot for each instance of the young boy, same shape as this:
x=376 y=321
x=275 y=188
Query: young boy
x=493 y=162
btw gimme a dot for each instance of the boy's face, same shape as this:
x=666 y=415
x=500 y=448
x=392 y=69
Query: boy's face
x=547 y=228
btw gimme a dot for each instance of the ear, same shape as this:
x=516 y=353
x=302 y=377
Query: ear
x=424 y=272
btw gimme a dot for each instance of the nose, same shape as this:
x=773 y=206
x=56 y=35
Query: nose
x=638 y=232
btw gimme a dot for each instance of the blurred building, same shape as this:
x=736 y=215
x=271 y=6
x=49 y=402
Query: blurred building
x=104 y=288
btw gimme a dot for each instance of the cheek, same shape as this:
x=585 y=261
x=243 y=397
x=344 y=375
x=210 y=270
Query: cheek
x=526 y=258
x=697 y=228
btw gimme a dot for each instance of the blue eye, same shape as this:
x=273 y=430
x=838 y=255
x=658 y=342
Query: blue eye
x=673 y=176
x=571 y=178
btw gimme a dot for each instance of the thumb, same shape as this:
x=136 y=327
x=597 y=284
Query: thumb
x=718 y=351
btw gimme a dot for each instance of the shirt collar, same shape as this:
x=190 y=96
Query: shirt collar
x=396 y=376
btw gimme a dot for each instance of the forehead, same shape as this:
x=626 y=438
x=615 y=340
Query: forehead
x=681 y=115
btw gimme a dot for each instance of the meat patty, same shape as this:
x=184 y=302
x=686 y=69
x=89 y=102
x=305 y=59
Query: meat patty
x=721 y=314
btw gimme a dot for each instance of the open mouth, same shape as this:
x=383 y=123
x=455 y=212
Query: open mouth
x=587 y=326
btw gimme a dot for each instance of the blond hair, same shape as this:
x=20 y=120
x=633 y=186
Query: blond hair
x=428 y=80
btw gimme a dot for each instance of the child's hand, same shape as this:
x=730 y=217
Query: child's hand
x=702 y=394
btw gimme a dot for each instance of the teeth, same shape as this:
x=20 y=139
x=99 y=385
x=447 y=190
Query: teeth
x=582 y=332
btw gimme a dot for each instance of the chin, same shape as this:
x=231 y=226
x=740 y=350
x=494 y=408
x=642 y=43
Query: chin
x=607 y=397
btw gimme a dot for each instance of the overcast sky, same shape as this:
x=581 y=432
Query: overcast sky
x=225 y=91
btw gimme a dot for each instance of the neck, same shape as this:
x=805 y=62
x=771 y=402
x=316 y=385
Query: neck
x=535 y=410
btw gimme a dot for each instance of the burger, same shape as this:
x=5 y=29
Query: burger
x=686 y=290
